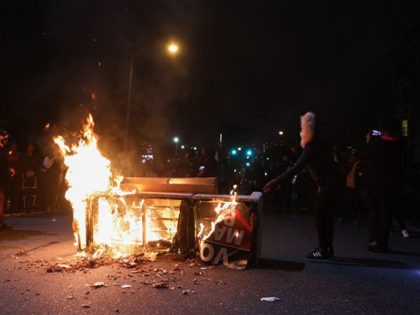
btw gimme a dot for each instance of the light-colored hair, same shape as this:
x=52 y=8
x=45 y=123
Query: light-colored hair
x=307 y=125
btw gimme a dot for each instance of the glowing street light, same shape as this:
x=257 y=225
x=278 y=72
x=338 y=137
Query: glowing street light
x=173 y=48
x=176 y=141
x=281 y=137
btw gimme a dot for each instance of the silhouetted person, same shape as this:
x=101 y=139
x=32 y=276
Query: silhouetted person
x=327 y=177
x=15 y=182
x=384 y=183
x=49 y=179
x=304 y=187
x=186 y=165
x=206 y=164
x=31 y=167
x=352 y=197
x=5 y=172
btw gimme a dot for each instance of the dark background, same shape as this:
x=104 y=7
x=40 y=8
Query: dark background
x=245 y=69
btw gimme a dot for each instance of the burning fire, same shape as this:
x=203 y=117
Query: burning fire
x=228 y=235
x=220 y=209
x=118 y=225
x=109 y=220
x=88 y=173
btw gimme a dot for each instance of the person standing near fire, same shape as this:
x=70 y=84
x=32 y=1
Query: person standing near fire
x=384 y=181
x=328 y=178
x=206 y=163
x=5 y=173
x=31 y=167
x=15 y=182
x=50 y=176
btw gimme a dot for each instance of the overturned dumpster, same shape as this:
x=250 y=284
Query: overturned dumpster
x=182 y=215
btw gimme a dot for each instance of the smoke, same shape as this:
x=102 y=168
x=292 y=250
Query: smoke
x=85 y=68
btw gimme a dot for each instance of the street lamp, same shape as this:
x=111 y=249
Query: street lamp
x=281 y=134
x=172 y=49
x=176 y=140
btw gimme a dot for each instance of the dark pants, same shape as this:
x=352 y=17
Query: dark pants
x=326 y=205
x=380 y=217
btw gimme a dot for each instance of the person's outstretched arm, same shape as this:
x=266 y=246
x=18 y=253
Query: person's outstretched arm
x=291 y=171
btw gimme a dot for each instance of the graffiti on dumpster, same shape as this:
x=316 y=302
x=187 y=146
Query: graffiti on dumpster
x=229 y=239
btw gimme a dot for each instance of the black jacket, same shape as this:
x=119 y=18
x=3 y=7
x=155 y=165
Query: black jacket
x=317 y=159
x=384 y=158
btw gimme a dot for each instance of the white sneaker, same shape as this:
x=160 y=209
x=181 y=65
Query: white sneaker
x=405 y=233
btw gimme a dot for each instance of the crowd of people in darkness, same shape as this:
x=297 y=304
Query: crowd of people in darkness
x=251 y=167
x=351 y=184
x=32 y=177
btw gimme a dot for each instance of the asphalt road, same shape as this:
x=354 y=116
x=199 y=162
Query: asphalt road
x=356 y=281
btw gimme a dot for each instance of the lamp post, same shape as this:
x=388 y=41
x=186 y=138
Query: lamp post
x=128 y=109
x=176 y=141
x=281 y=134
x=172 y=49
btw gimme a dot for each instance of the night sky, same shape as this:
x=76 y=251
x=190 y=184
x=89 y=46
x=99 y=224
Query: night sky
x=245 y=68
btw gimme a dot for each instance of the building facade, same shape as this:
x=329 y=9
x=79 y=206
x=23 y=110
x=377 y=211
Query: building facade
x=407 y=75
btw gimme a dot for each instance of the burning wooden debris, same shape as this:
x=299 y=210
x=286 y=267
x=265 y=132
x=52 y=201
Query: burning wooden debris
x=118 y=217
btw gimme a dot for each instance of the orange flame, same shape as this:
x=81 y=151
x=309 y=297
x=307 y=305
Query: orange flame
x=118 y=226
x=219 y=209
x=88 y=173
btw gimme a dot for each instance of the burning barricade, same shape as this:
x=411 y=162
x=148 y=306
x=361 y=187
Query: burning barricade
x=228 y=230
x=123 y=216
